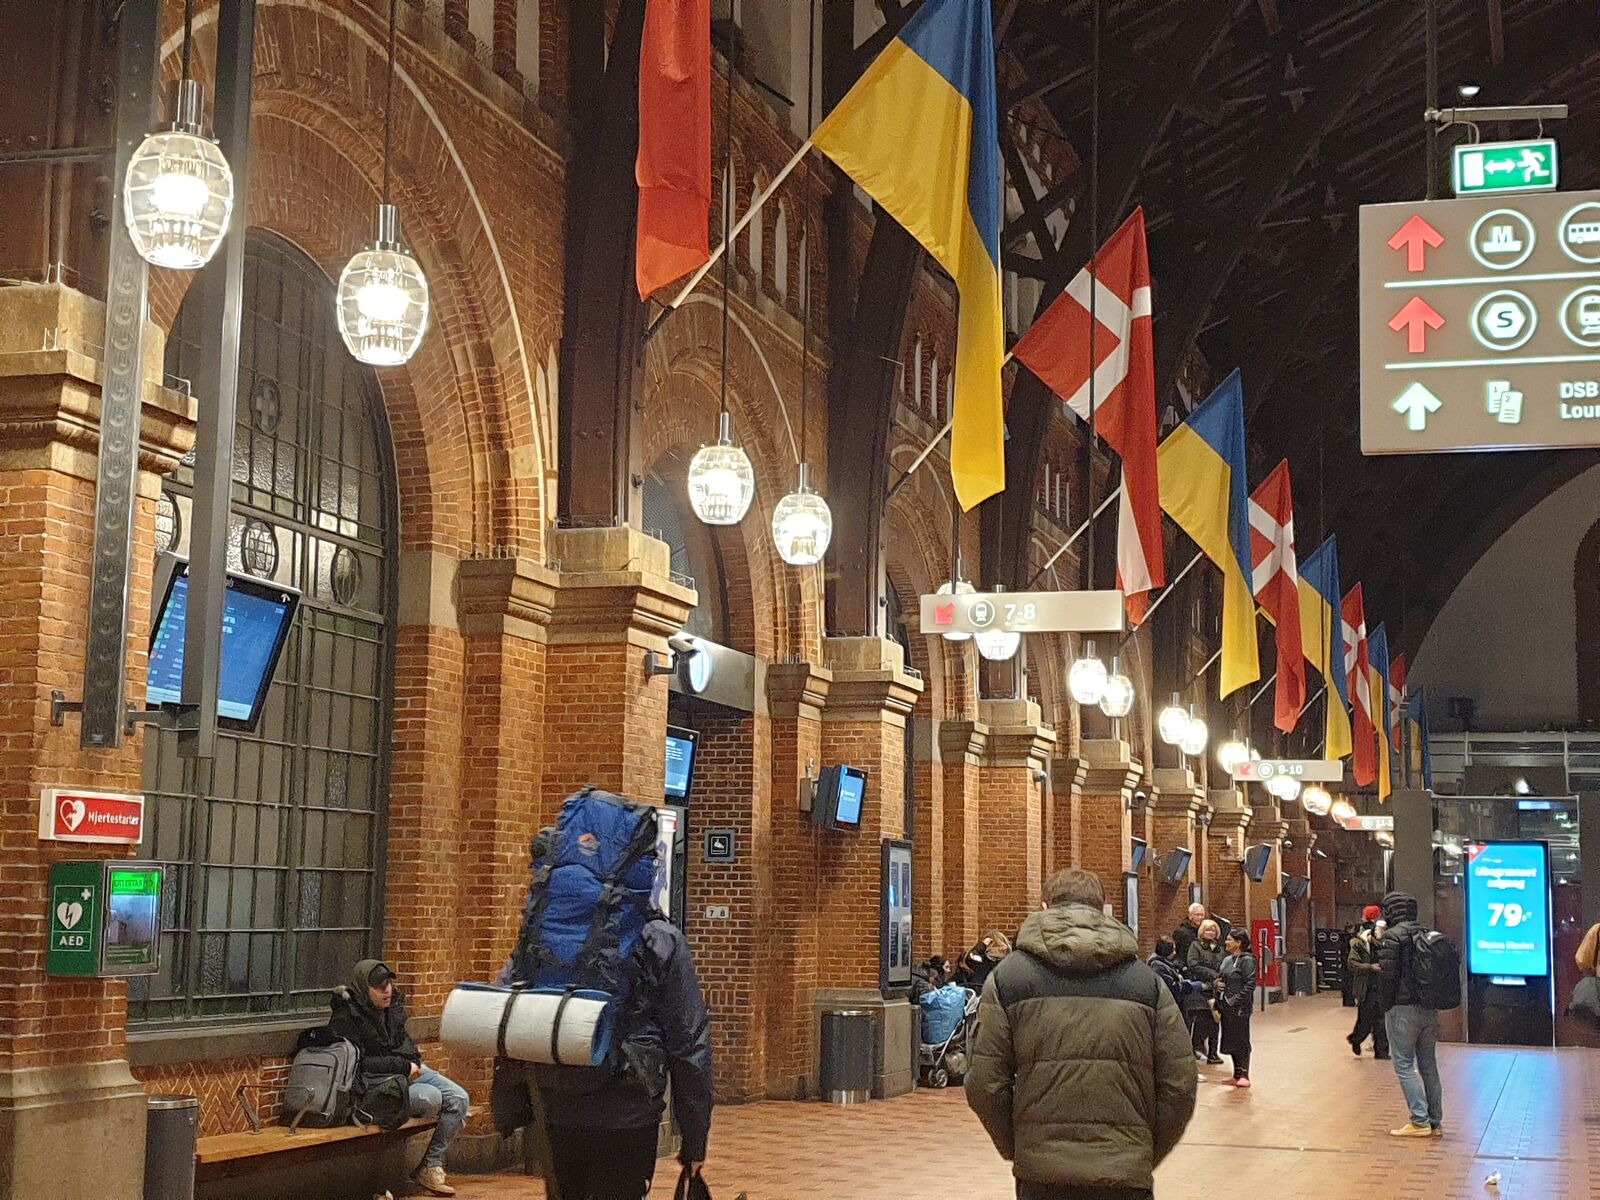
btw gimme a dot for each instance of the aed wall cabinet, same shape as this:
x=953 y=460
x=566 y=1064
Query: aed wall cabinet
x=104 y=919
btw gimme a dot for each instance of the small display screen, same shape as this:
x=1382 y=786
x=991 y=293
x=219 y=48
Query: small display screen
x=852 y=789
x=680 y=762
x=1508 y=910
x=256 y=618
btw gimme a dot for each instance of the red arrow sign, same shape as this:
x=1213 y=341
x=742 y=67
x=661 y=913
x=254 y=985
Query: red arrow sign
x=1416 y=318
x=1415 y=235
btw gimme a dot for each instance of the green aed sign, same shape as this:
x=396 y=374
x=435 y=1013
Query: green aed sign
x=75 y=902
x=105 y=918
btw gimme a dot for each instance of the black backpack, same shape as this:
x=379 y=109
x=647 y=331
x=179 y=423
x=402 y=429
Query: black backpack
x=382 y=1100
x=1436 y=968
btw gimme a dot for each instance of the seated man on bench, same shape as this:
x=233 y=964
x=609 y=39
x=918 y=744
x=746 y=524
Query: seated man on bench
x=372 y=1014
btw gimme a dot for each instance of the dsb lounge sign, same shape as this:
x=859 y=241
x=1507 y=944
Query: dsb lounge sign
x=74 y=815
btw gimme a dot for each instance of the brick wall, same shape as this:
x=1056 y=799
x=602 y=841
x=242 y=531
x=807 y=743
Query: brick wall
x=961 y=743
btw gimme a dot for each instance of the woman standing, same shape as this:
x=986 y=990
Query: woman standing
x=1205 y=961
x=1236 y=995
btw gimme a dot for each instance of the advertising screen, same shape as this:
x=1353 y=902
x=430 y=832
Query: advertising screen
x=1508 y=909
x=852 y=787
x=680 y=761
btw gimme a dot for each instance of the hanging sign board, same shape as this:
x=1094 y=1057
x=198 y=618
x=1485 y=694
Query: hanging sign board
x=1303 y=770
x=1024 y=612
x=1499 y=167
x=76 y=815
x=1362 y=824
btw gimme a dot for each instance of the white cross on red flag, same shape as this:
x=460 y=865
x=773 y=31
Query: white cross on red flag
x=1056 y=349
x=1363 y=728
x=1275 y=580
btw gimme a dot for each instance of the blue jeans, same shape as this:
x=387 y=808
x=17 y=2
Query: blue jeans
x=432 y=1095
x=1413 y=1041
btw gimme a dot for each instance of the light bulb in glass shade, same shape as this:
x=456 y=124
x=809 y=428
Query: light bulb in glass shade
x=1171 y=722
x=1342 y=810
x=1316 y=800
x=178 y=193
x=802 y=524
x=961 y=587
x=1086 y=680
x=722 y=482
x=383 y=299
x=1231 y=754
x=1285 y=788
x=1195 y=735
x=1117 y=699
x=997 y=645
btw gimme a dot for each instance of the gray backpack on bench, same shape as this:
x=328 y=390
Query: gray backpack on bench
x=321 y=1081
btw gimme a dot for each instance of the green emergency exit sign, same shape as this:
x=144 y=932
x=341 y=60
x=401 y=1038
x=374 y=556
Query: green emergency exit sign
x=1486 y=168
x=75 y=903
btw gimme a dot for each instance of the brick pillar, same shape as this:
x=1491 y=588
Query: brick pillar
x=796 y=694
x=1175 y=808
x=961 y=749
x=72 y=1116
x=1066 y=803
x=505 y=42
x=1105 y=824
x=606 y=721
x=1297 y=861
x=1013 y=812
x=928 y=839
x=1324 y=898
x=1228 y=891
x=503 y=610
x=1267 y=825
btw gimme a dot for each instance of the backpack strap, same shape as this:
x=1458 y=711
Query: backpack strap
x=555 y=1027
x=505 y=1020
x=643 y=842
x=527 y=957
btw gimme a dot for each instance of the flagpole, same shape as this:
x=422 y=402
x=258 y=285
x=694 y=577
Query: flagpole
x=1263 y=690
x=738 y=228
x=922 y=456
x=1067 y=545
x=1167 y=591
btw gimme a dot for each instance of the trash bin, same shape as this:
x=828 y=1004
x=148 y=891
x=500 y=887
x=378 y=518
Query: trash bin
x=1302 y=979
x=847 y=1056
x=171 y=1126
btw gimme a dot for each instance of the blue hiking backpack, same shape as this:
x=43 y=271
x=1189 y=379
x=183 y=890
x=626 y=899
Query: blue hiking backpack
x=589 y=899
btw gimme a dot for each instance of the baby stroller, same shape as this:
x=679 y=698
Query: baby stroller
x=944 y=1045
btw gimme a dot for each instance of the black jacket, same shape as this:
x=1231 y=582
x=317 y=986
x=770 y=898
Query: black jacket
x=380 y=1034
x=1183 y=937
x=1397 y=982
x=1205 y=959
x=1167 y=971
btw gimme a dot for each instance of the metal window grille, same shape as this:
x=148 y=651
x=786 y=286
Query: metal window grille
x=274 y=847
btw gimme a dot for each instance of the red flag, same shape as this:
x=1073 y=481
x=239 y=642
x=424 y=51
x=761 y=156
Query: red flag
x=1276 y=583
x=1363 y=730
x=1397 y=699
x=674 y=164
x=1056 y=349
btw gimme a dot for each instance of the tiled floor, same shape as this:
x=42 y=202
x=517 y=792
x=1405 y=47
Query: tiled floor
x=1314 y=1126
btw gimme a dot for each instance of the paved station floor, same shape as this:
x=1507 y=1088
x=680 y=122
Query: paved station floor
x=1314 y=1126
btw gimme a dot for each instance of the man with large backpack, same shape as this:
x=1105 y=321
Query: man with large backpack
x=1419 y=975
x=589 y=924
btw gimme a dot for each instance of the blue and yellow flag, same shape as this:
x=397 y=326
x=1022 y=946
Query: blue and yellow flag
x=919 y=133
x=1421 y=758
x=1378 y=680
x=1203 y=489
x=1322 y=633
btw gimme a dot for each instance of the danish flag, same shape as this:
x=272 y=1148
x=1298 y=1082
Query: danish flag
x=1363 y=730
x=1056 y=349
x=1397 y=700
x=1275 y=580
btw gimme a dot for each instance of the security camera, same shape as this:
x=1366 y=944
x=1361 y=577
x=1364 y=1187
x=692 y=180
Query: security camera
x=1141 y=798
x=682 y=643
x=1040 y=777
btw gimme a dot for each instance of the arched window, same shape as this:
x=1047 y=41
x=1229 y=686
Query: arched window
x=696 y=557
x=274 y=847
x=754 y=233
x=780 y=253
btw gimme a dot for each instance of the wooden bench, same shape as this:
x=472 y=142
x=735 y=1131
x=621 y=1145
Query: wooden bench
x=278 y=1139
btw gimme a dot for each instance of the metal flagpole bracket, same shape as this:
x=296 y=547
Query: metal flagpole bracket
x=168 y=716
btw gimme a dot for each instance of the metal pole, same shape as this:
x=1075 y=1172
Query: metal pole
x=1094 y=241
x=1167 y=591
x=1067 y=545
x=52 y=157
x=217 y=382
x=121 y=395
x=1431 y=128
x=1263 y=690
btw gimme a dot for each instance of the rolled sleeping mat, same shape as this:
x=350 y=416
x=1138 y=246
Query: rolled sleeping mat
x=535 y=1025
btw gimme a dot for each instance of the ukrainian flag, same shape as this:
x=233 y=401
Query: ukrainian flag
x=919 y=133
x=1322 y=630
x=1203 y=489
x=1378 y=678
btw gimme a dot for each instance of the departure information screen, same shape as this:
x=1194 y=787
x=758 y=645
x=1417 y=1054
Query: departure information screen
x=852 y=788
x=1508 y=909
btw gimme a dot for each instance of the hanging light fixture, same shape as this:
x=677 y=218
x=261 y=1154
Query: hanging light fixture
x=1384 y=838
x=1195 y=735
x=1172 y=721
x=1342 y=810
x=956 y=587
x=1086 y=679
x=1285 y=788
x=178 y=193
x=997 y=645
x=1232 y=754
x=383 y=295
x=1316 y=800
x=1117 y=699
x=802 y=523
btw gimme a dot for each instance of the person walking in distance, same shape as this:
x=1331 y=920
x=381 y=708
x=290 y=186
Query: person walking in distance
x=1081 y=1070
x=1362 y=963
x=1204 y=961
x=1236 y=997
x=1412 y=1023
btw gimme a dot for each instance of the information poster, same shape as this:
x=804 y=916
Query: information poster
x=895 y=917
x=1508 y=909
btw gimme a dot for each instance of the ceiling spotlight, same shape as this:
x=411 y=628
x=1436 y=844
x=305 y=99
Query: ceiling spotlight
x=1468 y=91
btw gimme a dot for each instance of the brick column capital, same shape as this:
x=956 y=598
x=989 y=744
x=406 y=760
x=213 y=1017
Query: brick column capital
x=1229 y=813
x=1267 y=823
x=962 y=741
x=505 y=596
x=1107 y=767
x=1176 y=794
x=616 y=586
x=798 y=689
x=869 y=680
x=1017 y=736
x=1066 y=775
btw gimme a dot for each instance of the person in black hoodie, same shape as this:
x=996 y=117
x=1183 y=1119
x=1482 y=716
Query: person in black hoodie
x=1413 y=1030
x=371 y=1013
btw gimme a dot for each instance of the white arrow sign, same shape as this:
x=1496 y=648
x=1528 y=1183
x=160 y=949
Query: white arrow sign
x=1414 y=404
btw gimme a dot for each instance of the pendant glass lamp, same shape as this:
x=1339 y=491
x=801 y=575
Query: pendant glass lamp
x=1116 y=700
x=960 y=587
x=1086 y=679
x=802 y=524
x=1284 y=787
x=382 y=306
x=721 y=481
x=997 y=645
x=178 y=194
x=1342 y=810
x=1232 y=754
x=1172 y=721
x=1195 y=735
x=1317 y=800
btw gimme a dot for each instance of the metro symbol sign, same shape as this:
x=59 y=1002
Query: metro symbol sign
x=75 y=815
